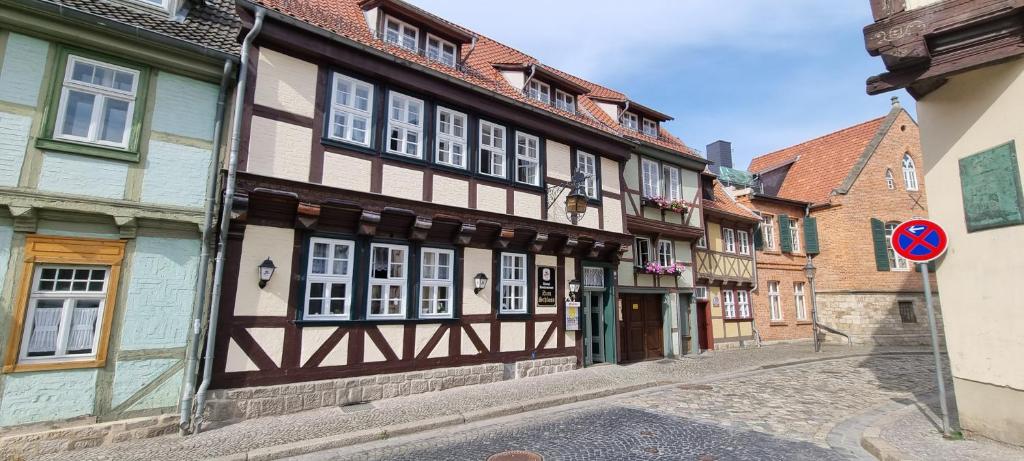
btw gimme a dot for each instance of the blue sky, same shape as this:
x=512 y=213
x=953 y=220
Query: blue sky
x=763 y=74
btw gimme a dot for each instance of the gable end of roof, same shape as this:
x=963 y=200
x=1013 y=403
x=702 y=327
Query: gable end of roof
x=872 y=146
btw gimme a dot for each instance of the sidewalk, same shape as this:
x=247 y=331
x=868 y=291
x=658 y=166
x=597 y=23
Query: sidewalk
x=915 y=433
x=273 y=437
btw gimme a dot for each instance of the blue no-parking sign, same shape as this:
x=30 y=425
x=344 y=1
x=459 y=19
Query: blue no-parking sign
x=919 y=240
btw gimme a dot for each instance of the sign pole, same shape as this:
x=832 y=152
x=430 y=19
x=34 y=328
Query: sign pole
x=935 y=348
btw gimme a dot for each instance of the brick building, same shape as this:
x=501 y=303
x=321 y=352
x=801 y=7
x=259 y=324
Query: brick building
x=860 y=183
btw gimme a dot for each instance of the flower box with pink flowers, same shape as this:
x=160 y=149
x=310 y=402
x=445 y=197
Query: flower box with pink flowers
x=654 y=268
x=675 y=205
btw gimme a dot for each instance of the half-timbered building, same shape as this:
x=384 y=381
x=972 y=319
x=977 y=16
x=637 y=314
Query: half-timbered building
x=407 y=179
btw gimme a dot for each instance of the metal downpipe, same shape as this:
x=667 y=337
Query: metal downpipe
x=198 y=303
x=225 y=217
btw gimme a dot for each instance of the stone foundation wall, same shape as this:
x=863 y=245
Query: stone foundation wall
x=874 y=318
x=540 y=367
x=36 y=444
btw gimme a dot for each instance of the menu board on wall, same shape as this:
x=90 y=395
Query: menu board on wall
x=546 y=287
x=991 y=186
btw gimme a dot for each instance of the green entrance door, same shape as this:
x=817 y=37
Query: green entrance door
x=593 y=312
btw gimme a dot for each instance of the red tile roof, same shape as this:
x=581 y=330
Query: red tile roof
x=724 y=203
x=345 y=18
x=820 y=165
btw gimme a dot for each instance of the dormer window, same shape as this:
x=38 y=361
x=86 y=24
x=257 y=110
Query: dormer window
x=631 y=121
x=650 y=128
x=401 y=34
x=440 y=50
x=539 y=90
x=565 y=101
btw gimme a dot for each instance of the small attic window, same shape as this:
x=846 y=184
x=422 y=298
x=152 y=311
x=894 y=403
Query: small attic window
x=168 y=7
x=565 y=101
x=440 y=50
x=631 y=121
x=539 y=90
x=401 y=34
x=650 y=127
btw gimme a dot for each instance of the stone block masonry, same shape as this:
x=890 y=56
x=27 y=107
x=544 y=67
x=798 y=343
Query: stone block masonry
x=233 y=405
x=874 y=318
x=35 y=444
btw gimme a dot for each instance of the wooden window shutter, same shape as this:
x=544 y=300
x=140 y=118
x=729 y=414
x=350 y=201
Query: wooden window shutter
x=811 y=236
x=785 y=236
x=758 y=238
x=881 y=246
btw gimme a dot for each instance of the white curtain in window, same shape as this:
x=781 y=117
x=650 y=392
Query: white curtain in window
x=83 y=326
x=45 y=323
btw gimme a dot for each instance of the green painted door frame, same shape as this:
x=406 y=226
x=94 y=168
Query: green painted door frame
x=611 y=350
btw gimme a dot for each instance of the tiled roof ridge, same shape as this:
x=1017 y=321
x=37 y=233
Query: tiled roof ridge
x=818 y=138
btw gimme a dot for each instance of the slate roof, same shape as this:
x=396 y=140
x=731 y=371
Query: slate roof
x=820 y=165
x=345 y=18
x=724 y=203
x=212 y=25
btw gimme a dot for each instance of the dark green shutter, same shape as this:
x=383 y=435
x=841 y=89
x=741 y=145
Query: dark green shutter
x=785 y=236
x=881 y=245
x=811 y=236
x=758 y=238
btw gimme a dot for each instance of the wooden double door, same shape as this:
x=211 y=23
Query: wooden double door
x=642 y=327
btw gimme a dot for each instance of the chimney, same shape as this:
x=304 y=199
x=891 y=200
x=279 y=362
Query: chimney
x=720 y=154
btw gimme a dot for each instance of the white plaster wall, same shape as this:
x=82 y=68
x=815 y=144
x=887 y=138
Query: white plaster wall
x=483 y=330
x=285 y=83
x=423 y=334
x=395 y=337
x=610 y=176
x=271 y=340
x=612 y=215
x=236 y=360
x=973 y=112
x=259 y=243
x=513 y=336
x=441 y=349
x=611 y=109
x=451 y=191
x=539 y=328
x=347 y=172
x=558 y=160
x=527 y=205
x=475 y=261
x=516 y=78
x=279 y=149
x=402 y=182
x=489 y=198
x=312 y=339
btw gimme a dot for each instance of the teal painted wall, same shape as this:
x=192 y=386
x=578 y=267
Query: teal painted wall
x=175 y=175
x=184 y=107
x=158 y=306
x=164 y=396
x=131 y=376
x=6 y=232
x=24 y=64
x=14 y=135
x=47 y=396
x=83 y=175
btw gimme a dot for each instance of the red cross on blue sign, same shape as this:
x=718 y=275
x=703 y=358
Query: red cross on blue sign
x=919 y=240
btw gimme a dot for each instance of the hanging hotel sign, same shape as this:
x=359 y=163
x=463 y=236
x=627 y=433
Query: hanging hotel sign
x=546 y=288
x=572 y=315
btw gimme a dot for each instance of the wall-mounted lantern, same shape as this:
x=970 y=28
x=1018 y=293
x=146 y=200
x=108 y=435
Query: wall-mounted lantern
x=266 y=271
x=576 y=201
x=479 y=282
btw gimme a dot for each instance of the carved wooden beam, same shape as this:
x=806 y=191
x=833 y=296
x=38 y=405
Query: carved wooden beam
x=595 y=250
x=504 y=238
x=538 y=241
x=570 y=246
x=368 y=222
x=420 y=229
x=308 y=216
x=623 y=248
x=465 y=234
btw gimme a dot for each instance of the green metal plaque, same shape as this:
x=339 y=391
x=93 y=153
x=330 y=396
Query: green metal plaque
x=990 y=181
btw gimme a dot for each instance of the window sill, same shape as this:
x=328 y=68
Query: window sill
x=778 y=323
x=45 y=366
x=804 y=322
x=350 y=146
x=514 y=316
x=738 y=319
x=94 y=150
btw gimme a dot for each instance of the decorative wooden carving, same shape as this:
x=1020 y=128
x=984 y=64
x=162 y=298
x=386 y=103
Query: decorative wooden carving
x=465 y=234
x=538 y=241
x=569 y=247
x=368 y=222
x=308 y=216
x=595 y=250
x=504 y=238
x=420 y=229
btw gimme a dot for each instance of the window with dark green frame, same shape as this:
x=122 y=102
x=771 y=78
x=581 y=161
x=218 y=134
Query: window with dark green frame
x=95 y=106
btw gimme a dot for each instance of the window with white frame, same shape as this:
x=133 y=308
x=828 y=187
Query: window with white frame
x=651 y=177
x=631 y=121
x=527 y=159
x=492 y=149
x=730 y=240
x=329 y=279
x=437 y=282
x=665 y=256
x=896 y=262
x=513 y=283
x=587 y=164
x=744 y=242
x=798 y=300
x=651 y=128
x=97 y=103
x=794 y=232
x=66 y=307
x=401 y=34
x=565 y=101
x=351 y=110
x=890 y=181
x=539 y=90
x=440 y=50
x=729 y=304
x=774 y=302
x=405 y=125
x=703 y=241
x=768 y=231
x=909 y=172
x=700 y=293
x=642 y=251
x=451 y=137
x=388 y=278
x=673 y=184
x=593 y=277
x=743 y=303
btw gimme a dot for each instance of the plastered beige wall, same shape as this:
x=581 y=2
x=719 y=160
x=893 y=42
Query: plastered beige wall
x=279 y=149
x=285 y=83
x=527 y=205
x=451 y=191
x=513 y=336
x=489 y=198
x=259 y=243
x=612 y=209
x=979 y=279
x=402 y=182
x=476 y=261
x=347 y=172
x=558 y=160
x=610 y=176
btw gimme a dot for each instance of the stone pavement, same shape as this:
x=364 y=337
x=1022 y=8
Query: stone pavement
x=327 y=422
x=773 y=413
